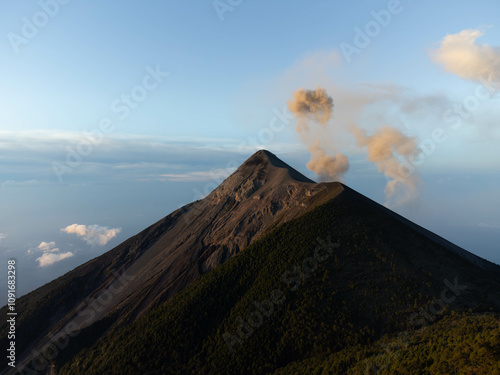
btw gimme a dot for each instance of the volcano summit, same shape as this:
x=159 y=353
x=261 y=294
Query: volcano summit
x=163 y=301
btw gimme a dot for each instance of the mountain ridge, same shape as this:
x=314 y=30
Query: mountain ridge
x=172 y=253
x=380 y=279
x=263 y=194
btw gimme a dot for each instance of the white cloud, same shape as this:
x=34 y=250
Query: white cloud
x=50 y=254
x=92 y=234
x=2 y=236
x=49 y=247
x=48 y=259
x=460 y=54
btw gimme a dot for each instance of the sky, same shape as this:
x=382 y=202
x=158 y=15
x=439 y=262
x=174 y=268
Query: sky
x=112 y=115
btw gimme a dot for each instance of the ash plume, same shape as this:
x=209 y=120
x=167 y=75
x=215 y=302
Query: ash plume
x=387 y=147
x=313 y=105
x=327 y=166
x=384 y=147
x=313 y=110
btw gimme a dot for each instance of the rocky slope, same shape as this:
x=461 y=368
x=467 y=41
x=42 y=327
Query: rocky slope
x=126 y=283
x=163 y=259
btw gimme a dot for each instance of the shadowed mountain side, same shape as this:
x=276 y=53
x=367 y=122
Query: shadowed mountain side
x=482 y=263
x=373 y=277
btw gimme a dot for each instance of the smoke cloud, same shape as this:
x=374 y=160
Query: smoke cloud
x=314 y=105
x=327 y=166
x=384 y=147
x=93 y=234
x=326 y=135
x=313 y=110
x=460 y=54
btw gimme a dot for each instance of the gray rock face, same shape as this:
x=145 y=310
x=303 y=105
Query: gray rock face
x=261 y=194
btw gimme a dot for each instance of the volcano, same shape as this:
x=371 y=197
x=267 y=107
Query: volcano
x=174 y=298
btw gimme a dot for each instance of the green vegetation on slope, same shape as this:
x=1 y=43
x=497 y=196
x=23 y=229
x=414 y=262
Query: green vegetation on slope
x=331 y=303
x=458 y=344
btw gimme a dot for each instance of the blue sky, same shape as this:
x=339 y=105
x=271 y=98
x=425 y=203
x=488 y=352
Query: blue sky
x=202 y=89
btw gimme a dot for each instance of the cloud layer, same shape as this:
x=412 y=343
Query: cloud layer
x=92 y=234
x=460 y=54
x=196 y=176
